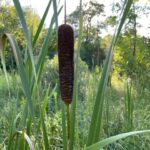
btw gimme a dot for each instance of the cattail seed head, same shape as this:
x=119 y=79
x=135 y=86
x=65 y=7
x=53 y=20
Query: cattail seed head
x=66 y=63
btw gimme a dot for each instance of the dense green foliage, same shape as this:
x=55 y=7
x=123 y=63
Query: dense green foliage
x=30 y=101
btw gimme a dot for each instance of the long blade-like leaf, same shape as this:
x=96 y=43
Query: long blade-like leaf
x=26 y=137
x=75 y=90
x=21 y=69
x=26 y=32
x=46 y=143
x=41 y=23
x=94 y=131
x=2 y=55
x=55 y=13
x=64 y=127
x=105 y=142
x=44 y=49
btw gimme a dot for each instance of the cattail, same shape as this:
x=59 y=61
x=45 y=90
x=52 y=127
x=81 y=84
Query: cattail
x=66 y=63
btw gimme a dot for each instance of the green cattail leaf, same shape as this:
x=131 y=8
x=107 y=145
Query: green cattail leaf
x=21 y=69
x=96 y=120
x=45 y=135
x=12 y=129
x=2 y=47
x=25 y=137
x=26 y=32
x=105 y=142
x=64 y=127
x=44 y=49
x=22 y=141
x=41 y=23
x=55 y=12
x=75 y=90
x=29 y=126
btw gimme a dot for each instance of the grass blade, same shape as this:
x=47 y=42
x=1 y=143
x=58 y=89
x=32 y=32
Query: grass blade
x=105 y=142
x=41 y=23
x=75 y=90
x=12 y=128
x=94 y=131
x=55 y=13
x=46 y=97
x=64 y=127
x=26 y=137
x=45 y=135
x=2 y=45
x=45 y=102
x=44 y=49
x=29 y=125
x=26 y=32
x=128 y=114
x=22 y=141
x=21 y=69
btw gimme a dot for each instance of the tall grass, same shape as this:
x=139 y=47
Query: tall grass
x=128 y=107
x=30 y=72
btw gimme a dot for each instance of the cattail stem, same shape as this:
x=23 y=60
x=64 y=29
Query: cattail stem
x=64 y=11
x=68 y=120
x=66 y=69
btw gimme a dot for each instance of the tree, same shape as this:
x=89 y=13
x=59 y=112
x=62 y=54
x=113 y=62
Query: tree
x=9 y=22
x=128 y=48
x=91 y=52
x=90 y=10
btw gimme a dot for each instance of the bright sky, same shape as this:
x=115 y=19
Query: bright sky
x=40 y=6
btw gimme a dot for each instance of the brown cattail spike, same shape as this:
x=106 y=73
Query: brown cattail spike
x=66 y=63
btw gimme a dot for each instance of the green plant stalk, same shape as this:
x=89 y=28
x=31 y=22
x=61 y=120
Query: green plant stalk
x=128 y=108
x=75 y=90
x=29 y=125
x=64 y=127
x=68 y=122
x=27 y=70
x=21 y=69
x=55 y=13
x=44 y=130
x=10 y=142
x=25 y=137
x=22 y=141
x=107 y=117
x=43 y=52
x=26 y=33
x=41 y=24
x=3 y=63
x=95 y=126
